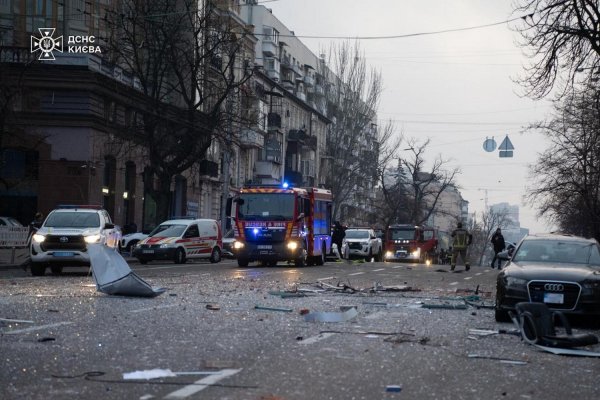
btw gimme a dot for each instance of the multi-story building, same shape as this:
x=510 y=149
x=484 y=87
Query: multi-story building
x=67 y=136
x=73 y=115
x=303 y=80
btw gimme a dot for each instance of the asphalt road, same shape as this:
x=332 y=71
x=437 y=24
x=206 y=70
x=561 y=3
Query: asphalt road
x=74 y=342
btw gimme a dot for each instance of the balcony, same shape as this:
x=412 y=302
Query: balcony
x=301 y=96
x=309 y=80
x=209 y=168
x=274 y=74
x=319 y=91
x=266 y=171
x=270 y=48
x=250 y=139
x=288 y=85
x=286 y=63
x=297 y=135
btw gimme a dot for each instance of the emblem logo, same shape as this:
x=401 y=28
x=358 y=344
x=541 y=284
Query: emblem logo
x=46 y=44
x=554 y=287
x=64 y=239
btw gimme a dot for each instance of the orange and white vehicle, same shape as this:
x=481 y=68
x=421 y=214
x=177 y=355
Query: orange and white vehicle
x=182 y=239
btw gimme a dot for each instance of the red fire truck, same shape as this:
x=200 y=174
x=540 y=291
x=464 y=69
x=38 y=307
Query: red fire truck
x=411 y=242
x=282 y=224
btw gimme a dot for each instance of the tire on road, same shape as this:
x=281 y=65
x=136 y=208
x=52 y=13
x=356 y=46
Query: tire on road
x=179 y=256
x=215 y=256
x=37 y=269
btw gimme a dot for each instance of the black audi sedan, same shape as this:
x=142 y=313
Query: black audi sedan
x=562 y=271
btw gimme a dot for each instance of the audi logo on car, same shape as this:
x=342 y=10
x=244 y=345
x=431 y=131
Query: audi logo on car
x=64 y=239
x=554 y=287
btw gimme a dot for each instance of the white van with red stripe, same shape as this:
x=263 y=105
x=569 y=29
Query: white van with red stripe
x=182 y=239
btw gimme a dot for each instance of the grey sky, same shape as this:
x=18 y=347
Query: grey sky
x=456 y=88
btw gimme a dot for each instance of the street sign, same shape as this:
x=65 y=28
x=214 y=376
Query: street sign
x=489 y=145
x=506 y=144
x=505 y=153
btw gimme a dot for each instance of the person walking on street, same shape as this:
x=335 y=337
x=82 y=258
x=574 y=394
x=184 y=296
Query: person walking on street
x=461 y=239
x=339 y=233
x=499 y=245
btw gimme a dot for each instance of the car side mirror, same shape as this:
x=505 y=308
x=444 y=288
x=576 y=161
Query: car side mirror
x=109 y=226
x=504 y=255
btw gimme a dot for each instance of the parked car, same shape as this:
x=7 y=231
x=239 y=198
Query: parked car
x=63 y=237
x=561 y=271
x=362 y=242
x=9 y=221
x=182 y=239
x=129 y=241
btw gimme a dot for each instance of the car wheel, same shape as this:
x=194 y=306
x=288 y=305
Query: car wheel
x=56 y=269
x=179 y=256
x=243 y=262
x=370 y=256
x=38 y=269
x=321 y=259
x=301 y=261
x=215 y=256
x=130 y=246
x=378 y=256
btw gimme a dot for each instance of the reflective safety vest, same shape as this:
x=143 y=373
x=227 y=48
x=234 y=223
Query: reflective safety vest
x=461 y=239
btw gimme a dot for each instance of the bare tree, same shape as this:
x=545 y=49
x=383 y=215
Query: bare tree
x=562 y=38
x=189 y=60
x=426 y=185
x=392 y=191
x=353 y=99
x=483 y=228
x=567 y=174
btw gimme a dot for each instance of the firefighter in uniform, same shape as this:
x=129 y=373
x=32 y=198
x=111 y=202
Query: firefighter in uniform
x=461 y=239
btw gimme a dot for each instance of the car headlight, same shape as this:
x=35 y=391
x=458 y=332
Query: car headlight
x=416 y=253
x=595 y=285
x=512 y=281
x=165 y=245
x=292 y=245
x=92 y=238
x=39 y=238
x=238 y=245
x=388 y=254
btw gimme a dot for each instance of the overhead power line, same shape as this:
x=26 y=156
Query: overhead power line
x=407 y=35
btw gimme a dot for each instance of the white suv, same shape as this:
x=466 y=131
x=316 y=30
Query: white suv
x=363 y=243
x=63 y=237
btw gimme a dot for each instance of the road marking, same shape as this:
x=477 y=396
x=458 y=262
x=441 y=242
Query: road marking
x=380 y=269
x=314 y=339
x=201 y=384
x=477 y=274
x=37 y=328
x=356 y=273
x=397 y=266
x=454 y=283
x=153 y=308
x=468 y=277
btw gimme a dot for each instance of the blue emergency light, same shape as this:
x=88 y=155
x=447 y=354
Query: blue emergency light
x=285 y=185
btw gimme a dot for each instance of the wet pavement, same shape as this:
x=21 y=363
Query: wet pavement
x=71 y=341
